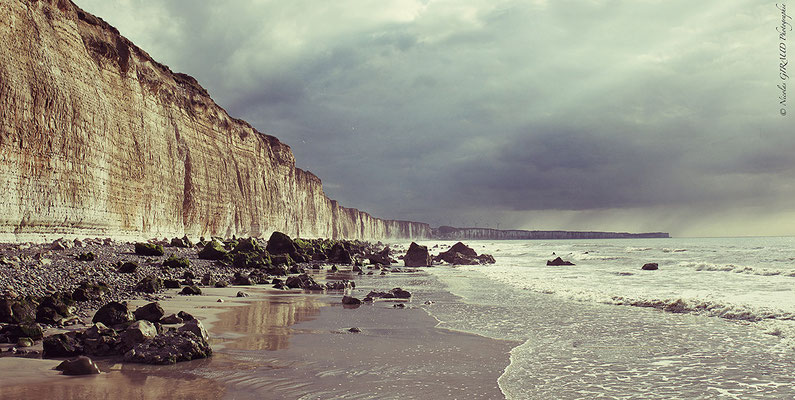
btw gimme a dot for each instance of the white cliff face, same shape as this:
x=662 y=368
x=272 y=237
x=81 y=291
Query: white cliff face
x=98 y=139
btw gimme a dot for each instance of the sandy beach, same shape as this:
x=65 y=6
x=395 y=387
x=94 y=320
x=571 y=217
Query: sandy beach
x=295 y=344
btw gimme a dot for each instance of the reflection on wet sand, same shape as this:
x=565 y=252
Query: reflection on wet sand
x=139 y=382
x=265 y=324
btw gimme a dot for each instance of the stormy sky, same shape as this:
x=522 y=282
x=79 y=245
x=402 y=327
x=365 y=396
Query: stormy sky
x=653 y=115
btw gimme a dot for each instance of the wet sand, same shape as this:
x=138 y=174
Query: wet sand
x=289 y=345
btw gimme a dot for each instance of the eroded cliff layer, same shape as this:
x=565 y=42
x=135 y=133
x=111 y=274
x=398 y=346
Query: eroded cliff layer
x=450 y=233
x=98 y=139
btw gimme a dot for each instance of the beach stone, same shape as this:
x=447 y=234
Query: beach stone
x=197 y=328
x=242 y=294
x=86 y=257
x=213 y=251
x=17 y=311
x=208 y=280
x=559 y=261
x=128 y=267
x=138 y=332
x=399 y=305
x=188 y=275
x=221 y=284
x=354 y=330
x=171 y=284
x=351 y=300
x=149 y=249
x=171 y=319
x=24 y=342
x=101 y=341
x=81 y=365
x=302 y=281
x=185 y=316
x=113 y=313
x=649 y=267
x=191 y=290
x=89 y=291
x=151 y=312
x=169 y=348
x=61 y=345
x=150 y=284
x=417 y=256
x=380 y=258
x=183 y=242
x=241 y=279
x=176 y=262
x=338 y=254
x=400 y=293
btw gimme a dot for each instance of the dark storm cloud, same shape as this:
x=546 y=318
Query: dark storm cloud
x=456 y=112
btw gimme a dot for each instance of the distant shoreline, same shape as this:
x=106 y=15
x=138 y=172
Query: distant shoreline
x=451 y=233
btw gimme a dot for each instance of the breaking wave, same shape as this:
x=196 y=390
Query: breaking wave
x=739 y=269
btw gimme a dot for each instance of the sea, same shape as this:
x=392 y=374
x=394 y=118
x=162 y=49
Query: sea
x=716 y=320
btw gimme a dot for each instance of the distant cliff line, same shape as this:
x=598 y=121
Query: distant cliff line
x=450 y=233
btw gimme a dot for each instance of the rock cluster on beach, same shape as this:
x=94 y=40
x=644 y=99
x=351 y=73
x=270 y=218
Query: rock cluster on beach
x=45 y=285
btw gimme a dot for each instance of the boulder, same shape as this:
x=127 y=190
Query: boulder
x=191 y=290
x=338 y=254
x=169 y=348
x=148 y=249
x=32 y=331
x=354 y=330
x=197 y=328
x=221 y=284
x=242 y=294
x=113 y=313
x=128 y=267
x=150 y=284
x=417 y=256
x=184 y=242
x=241 y=279
x=282 y=259
x=208 y=280
x=213 y=251
x=89 y=291
x=559 y=261
x=171 y=284
x=151 y=312
x=461 y=254
x=302 y=281
x=15 y=311
x=249 y=245
x=348 y=300
x=279 y=243
x=171 y=319
x=81 y=365
x=381 y=257
x=176 y=262
x=138 y=332
x=62 y=345
x=650 y=267
x=86 y=256
x=101 y=341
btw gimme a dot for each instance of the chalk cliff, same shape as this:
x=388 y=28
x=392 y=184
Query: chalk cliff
x=98 y=139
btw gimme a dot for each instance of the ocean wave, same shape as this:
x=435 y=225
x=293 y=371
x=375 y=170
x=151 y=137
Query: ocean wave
x=705 y=307
x=739 y=269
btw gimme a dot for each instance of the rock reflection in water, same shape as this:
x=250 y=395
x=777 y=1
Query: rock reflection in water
x=266 y=324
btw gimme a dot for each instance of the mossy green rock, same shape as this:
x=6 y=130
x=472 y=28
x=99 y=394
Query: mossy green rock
x=176 y=262
x=149 y=249
x=213 y=251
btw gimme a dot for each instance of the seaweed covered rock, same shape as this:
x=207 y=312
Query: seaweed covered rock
x=192 y=290
x=15 y=311
x=302 y=281
x=184 y=242
x=62 y=345
x=176 y=262
x=86 y=256
x=113 y=313
x=149 y=249
x=279 y=243
x=101 y=341
x=417 y=256
x=169 y=348
x=214 y=250
x=381 y=257
x=339 y=254
x=128 y=267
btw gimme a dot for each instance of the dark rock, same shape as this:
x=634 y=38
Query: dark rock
x=282 y=259
x=197 y=328
x=48 y=315
x=113 y=313
x=169 y=348
x=486 y=259
x=128 y=267
x=334 y=268
x=354 y=330
x=25 y=342
x=399 y=305
x=101 y=341
x=559 y=261
x=248 y=245
x=185 y=316
x=400 y=293
x=350 y=300
x=150 y=284
x=151 y=312
x=242 y=294
x=148 y=249
x=461 y=254
x=171 y=284
x=338 y=254
x=184 y=242
x=221 y=284
x=176 y=262
x=208 y=280
x=417 y=256
x=15 y=311
x=81 y=365
x=213 y=251
x=89 y=291
x=280 y=243
x=295 y=269
x=188 y=275
x=462 y=249
x=171 y=319
x=339 y=285
x=191 y=290
x=649 y=267
x=13 y=332
x=381 y=257
x=62 y=345
x=138 y=332
x=86 y=257
x=241 y=279
x=302 y=281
